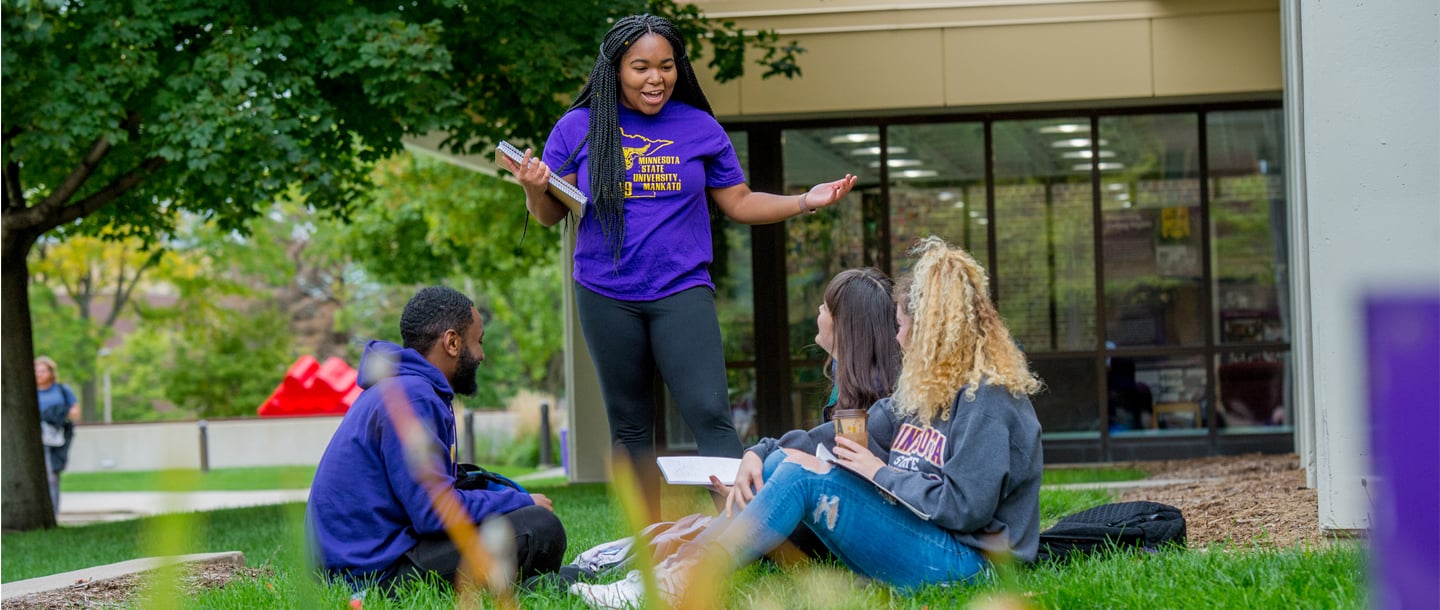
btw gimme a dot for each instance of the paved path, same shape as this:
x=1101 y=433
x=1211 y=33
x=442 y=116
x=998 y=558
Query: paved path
x=78 y=507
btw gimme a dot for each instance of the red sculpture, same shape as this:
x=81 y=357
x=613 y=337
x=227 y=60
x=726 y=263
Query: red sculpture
x=310 y=388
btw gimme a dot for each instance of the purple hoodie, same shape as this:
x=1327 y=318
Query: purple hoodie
x=366 y=509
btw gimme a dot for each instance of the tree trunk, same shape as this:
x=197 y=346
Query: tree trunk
x=24 y=491
x=90 y=405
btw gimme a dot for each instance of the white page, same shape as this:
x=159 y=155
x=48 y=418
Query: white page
x=696 y=470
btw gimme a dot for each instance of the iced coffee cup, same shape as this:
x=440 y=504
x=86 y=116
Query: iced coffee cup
x=850 y=423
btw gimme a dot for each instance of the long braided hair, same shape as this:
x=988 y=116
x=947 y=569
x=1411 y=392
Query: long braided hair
x=601 y=96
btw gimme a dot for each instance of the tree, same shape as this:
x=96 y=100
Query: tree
x=95 y=274
x=511 y=271
x=119 y=115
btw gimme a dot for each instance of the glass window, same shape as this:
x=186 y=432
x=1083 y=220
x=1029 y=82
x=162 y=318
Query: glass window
x=1068 y=406
x=1044 y=248
x=1253 y=392
x=937 y=187
x=1247 y=219
x=820 y=245
x=1156 y=395
x=1150 y=207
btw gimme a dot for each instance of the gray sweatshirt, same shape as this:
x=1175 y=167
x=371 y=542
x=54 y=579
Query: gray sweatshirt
x=976 y=474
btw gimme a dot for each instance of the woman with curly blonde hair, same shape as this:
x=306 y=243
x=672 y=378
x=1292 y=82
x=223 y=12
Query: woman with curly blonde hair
x=956 y=458
x=956 y=338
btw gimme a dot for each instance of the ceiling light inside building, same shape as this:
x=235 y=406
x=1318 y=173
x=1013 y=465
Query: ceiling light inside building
x=1085 y=154
x=917 y=173
x=1104 y=166
x=855 y=138
x=875 y=150
x=899 y=163
x=1065 y=128
x=1074 y=143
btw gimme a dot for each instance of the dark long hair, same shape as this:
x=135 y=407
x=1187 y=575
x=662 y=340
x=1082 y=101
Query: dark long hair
x=601 y=96
x=866 y=356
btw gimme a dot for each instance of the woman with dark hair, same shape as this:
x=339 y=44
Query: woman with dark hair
x=949 y=481
x=857 y=330
x=642 y=143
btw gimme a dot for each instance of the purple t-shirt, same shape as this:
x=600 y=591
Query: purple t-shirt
x=671 y=158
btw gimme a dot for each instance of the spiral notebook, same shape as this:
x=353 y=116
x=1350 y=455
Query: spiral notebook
x=563 y=191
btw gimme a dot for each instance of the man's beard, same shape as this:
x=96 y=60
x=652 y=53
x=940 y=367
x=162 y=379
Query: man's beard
x=465 y=381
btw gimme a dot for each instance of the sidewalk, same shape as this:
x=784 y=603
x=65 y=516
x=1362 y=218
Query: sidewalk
x=80 y=507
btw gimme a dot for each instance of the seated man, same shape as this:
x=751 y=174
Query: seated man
x=370 y=516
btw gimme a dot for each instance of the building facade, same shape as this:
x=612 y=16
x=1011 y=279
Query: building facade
x=1117 y=166
x=1183 y=205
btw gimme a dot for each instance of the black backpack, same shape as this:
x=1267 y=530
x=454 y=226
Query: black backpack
x=1144 y=525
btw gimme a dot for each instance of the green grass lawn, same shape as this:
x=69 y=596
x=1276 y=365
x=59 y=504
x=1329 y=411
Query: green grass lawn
x=271 y=538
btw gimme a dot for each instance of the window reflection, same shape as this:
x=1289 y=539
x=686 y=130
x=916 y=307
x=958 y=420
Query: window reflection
x=1252 y=391
x=1150 y=207
x=1052 y=178
x=937 y=187
x=1247 y=216
x=1067 y=408
x=1045 y=267
x=822 y=244
x=1155 y=394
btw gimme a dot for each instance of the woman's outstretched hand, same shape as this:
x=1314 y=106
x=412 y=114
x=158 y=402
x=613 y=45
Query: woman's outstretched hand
x=827 y=193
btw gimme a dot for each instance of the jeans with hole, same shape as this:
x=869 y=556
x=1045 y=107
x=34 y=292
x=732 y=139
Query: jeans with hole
x=870 y=533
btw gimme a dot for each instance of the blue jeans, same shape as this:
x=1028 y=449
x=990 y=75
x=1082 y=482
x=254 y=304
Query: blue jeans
x=871 y=534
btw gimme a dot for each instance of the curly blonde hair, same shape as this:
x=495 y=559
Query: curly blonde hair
x=957 y=339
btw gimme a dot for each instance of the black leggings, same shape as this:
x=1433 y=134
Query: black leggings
x=539 y=549
x=680 y=336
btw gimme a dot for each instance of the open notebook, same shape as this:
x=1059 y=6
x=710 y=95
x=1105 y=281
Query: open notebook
x=565 y=192
x=696 y=469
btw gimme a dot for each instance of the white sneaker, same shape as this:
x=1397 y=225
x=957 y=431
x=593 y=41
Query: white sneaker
x=627 y=593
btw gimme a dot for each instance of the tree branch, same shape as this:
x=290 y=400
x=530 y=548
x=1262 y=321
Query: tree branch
x=111 y=192
x=84 y=292
x=122 y=292
x=79 y=175
x=14 y=194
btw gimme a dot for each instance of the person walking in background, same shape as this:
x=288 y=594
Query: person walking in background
x=59 y=409
x=955 y=455
x=642 y=143
x=371 y=517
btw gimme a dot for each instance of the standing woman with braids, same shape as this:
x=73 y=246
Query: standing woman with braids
x=642 y=143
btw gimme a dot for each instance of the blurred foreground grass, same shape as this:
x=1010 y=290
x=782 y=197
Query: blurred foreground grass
x=1232 y=576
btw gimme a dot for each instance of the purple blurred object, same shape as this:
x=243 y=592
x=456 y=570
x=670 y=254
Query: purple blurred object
x=1403 y=336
